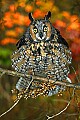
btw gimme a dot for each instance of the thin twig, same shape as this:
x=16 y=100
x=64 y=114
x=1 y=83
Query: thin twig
x=13 y=73
x=17 y=101
x=50 y=117
x=1 y=74
x=10 y=108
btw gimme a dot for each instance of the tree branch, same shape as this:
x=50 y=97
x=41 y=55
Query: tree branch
x=50 y=117
x=13 y=73
x=38 y=78
x=17 y=101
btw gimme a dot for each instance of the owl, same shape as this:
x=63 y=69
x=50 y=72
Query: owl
x=42 y=52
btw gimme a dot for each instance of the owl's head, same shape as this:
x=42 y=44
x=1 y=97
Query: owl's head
x=40 y=30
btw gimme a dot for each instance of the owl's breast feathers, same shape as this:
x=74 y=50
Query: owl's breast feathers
x=46 y=58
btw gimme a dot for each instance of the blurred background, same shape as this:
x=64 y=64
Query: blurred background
x=13 y=23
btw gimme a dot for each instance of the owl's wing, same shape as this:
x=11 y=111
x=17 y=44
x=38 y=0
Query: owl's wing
x=21 y=42
x=61 y=39
x=20 y=59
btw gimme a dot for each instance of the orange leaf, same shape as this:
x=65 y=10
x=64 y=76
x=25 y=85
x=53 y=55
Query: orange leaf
x=66 y=14
x=28 y=8
x=60 y=23
x=74 y=18
x=26 y=20
x=11 y=33
x=12 y=7
x=16 y=15
x=18 y=30
x=39 y=2
x=7 y=41
x=21 y=4
x=8 y=19
x=74 y=25
x=18 y=19
x=38 y=13
x=8 y=23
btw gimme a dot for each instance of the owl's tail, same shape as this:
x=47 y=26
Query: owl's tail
x=23 y=83
x=58 y=88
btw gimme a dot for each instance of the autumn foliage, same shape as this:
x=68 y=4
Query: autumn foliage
x=15 y=20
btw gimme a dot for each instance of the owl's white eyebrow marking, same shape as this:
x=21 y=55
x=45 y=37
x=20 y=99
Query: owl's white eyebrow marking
x=39 y=25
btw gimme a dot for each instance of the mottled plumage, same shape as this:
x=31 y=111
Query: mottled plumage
x=42 y=51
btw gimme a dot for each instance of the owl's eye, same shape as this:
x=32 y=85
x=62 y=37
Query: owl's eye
x=45 y=29
x=35 y=30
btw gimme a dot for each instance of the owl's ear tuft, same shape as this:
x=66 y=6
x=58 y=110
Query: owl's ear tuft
x=31 y=17
x=48 y=15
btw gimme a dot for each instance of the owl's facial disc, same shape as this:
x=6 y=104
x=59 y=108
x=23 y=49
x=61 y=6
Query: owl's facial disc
x=41 y=35
x=40 y=31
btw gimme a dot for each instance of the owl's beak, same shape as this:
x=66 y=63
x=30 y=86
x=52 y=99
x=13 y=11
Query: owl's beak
x=41 y=35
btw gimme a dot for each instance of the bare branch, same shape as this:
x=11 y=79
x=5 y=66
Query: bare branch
x=17 y=101
x=48 y=117
x=2 y=74
x=38 y=78
x=13 y=73
x=10 y=108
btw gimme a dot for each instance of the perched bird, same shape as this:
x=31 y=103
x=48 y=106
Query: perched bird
x=43 y=52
